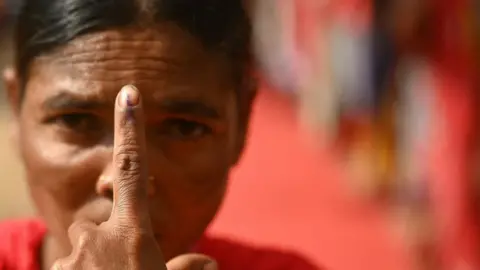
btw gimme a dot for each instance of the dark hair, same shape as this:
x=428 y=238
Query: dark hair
x=44 y=25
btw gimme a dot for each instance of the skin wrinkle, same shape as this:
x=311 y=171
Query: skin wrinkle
x=120 y=66
x=97 y=56
x=113 y=40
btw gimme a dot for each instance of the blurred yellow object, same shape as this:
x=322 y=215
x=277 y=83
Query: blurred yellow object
x=385 y=142
x=372 y=152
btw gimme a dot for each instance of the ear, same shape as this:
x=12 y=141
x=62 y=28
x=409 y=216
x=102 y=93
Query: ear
x=12 y=87
x=246 y=102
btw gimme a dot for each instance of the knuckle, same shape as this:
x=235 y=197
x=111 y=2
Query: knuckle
x=128 y=160
x=82 y=232
x=84 y=239
x=75 y=227
x=63 y=264
x=57 y=266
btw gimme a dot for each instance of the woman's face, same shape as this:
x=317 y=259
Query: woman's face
x=65 y=129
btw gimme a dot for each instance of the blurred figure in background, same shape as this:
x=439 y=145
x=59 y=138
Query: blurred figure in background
x=454 y=54
x=273 y=40
x=397 y=83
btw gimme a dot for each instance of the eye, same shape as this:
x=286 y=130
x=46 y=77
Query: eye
x=78 y=122
x=182 y=129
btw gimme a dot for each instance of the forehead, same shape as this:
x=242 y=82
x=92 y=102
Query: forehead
x=161 y=62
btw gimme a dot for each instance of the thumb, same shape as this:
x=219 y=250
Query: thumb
x=192 y=262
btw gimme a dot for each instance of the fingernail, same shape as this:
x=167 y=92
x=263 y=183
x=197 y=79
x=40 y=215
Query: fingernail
x=129 y=97
x=212 y=265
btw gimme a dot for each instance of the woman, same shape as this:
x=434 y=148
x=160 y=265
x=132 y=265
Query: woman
x=187 y=94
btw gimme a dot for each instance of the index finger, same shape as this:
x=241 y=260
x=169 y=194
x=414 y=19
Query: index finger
x=130 y=181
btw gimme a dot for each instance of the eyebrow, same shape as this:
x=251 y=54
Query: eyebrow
x=188 y=107
x=66 y=101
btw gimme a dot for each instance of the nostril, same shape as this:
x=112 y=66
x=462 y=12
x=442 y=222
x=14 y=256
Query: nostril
x=105 y=187
x=108 y=194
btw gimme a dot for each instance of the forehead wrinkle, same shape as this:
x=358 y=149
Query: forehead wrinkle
x=95 y=86
x=112 y=71
x=103 y=62
x=83 y=89
x=112 y=56
x=169 y=46
x=123 y=50
x=121 y=59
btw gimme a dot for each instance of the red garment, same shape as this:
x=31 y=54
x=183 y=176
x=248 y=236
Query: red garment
x=20 y=243
x=452 y=201
x=456 y=83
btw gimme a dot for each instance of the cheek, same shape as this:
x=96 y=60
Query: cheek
x=194 y=168
x=194 y=207
x=189 y=190
x=57 y=171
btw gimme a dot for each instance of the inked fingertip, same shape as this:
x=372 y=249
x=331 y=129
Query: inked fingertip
x=129 y=97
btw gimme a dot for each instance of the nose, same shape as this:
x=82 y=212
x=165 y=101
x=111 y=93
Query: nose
x=104 y=185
